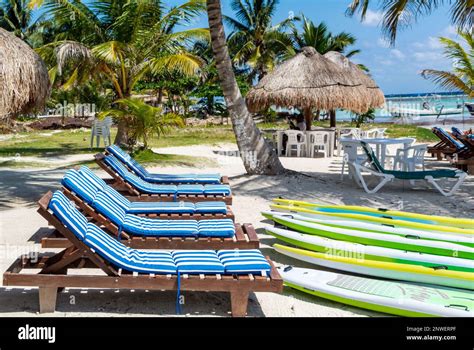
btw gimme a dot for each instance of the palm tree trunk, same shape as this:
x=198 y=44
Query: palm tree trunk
x=122 y=133
x=256 y=153
x=308 y=117
x=332 y=118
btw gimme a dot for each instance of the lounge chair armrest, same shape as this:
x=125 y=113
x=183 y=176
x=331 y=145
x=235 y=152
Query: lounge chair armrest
x=361 y=168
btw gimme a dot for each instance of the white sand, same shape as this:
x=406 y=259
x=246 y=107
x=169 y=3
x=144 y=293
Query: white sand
x=320 y=182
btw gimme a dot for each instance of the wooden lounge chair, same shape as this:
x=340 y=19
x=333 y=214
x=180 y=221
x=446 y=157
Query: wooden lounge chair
x=66 y=270
x=133 y=193
x=376 y=169
x=141 y=172
x=82 y=186
x=447 y=146
x=245 y=235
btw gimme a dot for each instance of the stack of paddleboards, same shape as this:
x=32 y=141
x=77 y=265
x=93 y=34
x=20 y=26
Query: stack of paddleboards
x=423 y=265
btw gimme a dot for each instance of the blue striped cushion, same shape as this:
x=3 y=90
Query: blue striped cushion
x=139 y=170
x=190 y=189
x=216 y=228
x=92 y=178
x=196 y=262
x=74 y=182
x=107 y=207
x=147 y=187
x=211 y=207
x=244 y=261
x=120 y=200
x=68 y=214
x=223 y=190
x=155 y=227
x=127 y=258
x=458 y=144
x=162 y=207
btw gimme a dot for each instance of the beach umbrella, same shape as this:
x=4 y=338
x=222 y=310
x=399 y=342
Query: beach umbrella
x=309 y=81
x=23 y=77
x=377 y=98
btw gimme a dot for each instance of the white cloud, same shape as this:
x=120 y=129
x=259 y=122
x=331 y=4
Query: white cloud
x=397 y=54
x=428 y=56
x=450 y=31
x=372 y=18
x=383 y=43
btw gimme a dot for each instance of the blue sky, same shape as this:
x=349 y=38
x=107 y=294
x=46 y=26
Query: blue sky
x=396 y=69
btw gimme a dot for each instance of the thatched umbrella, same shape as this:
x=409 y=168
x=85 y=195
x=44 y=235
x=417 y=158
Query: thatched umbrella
x=23 y=77
x=309 y=81
x=377 y=98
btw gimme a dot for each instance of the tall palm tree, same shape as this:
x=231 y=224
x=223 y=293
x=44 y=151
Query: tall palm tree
x=120 y=42
x=319 y=37
x=18 y=17
x=403 y=13
x=256 y=153
x=462 y=76
x=254 y=41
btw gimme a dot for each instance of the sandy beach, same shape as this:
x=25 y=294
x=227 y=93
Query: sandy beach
x=21 y=228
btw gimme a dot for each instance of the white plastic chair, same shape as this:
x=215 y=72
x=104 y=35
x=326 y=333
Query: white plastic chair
x=317 y=143
x=296 y=142
x=101 y=128
x=410 y=158
x=351 y=155
x=353 y=134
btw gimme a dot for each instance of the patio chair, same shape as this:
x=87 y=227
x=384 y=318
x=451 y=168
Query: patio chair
x=410 y=158
x=350 y=134
x=296 y=143
x=351 y=155
x=94 y=259
x=317 y=143
x=148 y=233
x=85 y=184
x=448 y=145
x=140 y=190
x=141 y=172
x=376 y=169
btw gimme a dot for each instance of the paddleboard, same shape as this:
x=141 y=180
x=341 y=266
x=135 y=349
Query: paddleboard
x=389 y=270
x=378 y=239
x=359 y=251
x=467 y=240
x=392 y=297
x=369 y=219
x=383 y=213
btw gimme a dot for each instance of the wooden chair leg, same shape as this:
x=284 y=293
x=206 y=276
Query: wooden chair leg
x=47 y=299
x=239 y=301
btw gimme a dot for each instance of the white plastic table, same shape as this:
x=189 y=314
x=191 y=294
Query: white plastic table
x=381 y=145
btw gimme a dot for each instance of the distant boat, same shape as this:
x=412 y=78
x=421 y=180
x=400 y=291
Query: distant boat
x=399 y=111
x=470 y=108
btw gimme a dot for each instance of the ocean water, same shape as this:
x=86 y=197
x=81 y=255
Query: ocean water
x=422 y=109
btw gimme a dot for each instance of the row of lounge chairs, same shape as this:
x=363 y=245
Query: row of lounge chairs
x=456 y=146
x=148 y=245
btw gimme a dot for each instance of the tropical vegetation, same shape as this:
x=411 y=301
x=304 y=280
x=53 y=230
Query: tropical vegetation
x=461 y=78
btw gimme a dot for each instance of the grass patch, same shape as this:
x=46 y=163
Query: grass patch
x=150 y=158
x=49 y=144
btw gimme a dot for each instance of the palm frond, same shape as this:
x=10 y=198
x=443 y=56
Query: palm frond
x=448 y=80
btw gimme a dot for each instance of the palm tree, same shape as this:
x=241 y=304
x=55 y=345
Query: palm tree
x=120 y=42
x=462 y=76
x=256 y=153
x=18 y=17
x=319 y=37
x=403 y=13
x=254 y=42
x=145 y=120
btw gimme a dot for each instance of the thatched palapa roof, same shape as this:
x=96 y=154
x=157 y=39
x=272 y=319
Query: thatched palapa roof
x=309 y=80
x=377 y=98
x=24 y=77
